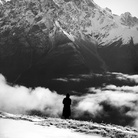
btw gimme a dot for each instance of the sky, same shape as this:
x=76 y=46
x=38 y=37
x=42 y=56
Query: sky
x=120 y=6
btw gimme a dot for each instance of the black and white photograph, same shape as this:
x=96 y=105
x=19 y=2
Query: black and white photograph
x=68 y=68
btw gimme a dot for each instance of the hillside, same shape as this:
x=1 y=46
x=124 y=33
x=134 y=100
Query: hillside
x=42 y=127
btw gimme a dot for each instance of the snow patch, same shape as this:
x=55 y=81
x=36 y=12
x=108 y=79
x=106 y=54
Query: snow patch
x=24 y=129
x=70 y=36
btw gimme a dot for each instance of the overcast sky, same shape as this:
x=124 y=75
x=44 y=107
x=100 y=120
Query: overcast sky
x=120 y=6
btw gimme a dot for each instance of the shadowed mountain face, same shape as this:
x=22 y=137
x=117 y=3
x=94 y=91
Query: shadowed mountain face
x=121 y=58
x=45 y=39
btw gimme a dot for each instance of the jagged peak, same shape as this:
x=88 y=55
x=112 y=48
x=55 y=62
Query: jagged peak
x=109 y=10
x=126 y=14
x=76 y=16
x=128 y=20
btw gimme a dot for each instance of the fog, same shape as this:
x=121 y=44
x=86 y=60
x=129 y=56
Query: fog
x=121 y=76
x=108 y=104
x=19 y=99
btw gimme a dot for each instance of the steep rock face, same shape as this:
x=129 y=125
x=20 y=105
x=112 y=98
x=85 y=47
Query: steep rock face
x=42 y=39
x=33 y=46
x=128 y=20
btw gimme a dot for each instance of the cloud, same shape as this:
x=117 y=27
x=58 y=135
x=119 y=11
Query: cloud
x=109 y=104
x=133 y=78
x=121 y=76
x=133 y=89
x=89 y=104
x=19 y=99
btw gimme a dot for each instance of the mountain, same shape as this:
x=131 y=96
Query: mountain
x=44 y=39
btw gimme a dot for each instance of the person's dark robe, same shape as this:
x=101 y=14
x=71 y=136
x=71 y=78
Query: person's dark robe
x=66 y=109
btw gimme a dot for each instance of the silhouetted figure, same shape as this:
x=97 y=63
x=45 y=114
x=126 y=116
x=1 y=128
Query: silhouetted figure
x=66 y=109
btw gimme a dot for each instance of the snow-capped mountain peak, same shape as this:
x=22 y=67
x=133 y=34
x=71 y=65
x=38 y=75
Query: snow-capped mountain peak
x=86 y=17
x=53 y=26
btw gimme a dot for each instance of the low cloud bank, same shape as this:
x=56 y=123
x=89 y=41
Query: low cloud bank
x=110 y=104
x=121 y=76
x=133 y=89
x=19 y=99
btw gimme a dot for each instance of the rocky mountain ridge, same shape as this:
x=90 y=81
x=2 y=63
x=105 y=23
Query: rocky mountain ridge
x=88 y=18
x=46 y=38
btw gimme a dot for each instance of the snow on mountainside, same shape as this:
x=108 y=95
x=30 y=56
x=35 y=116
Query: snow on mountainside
x=13 y=126
x=78 y=18
x=69 y=35
x=87 y=18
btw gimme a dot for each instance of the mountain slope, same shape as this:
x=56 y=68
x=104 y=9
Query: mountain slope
x=69 y=128
x=42 y=39
x=21 y=129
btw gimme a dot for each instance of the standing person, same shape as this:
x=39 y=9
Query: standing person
x=66 y=109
